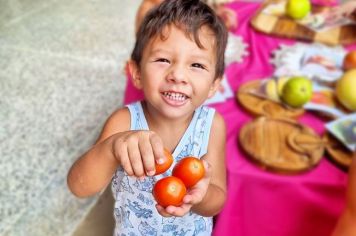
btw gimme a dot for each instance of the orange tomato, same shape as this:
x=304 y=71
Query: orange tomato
x=190 y=170
x=169 y=191
x=349 y=60
x=168 y=160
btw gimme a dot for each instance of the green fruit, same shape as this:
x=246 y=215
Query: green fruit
x=297 y=91
x=280 y=84
x=298 y=9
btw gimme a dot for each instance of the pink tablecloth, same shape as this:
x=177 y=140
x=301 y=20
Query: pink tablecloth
x=260 y=203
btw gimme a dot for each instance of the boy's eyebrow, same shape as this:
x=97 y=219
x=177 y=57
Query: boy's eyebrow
x=196 y=56
x=201 y=58
x=158 y=50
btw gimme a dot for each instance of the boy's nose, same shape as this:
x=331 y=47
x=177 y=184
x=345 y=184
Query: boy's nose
x=177 y=74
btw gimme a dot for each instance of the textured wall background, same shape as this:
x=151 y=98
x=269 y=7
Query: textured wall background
x=61 y=75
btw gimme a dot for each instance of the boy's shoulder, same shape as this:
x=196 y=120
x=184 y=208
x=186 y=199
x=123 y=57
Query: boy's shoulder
x=219 y=120
x=218 y=127
x=121 y=113
x=119 y=120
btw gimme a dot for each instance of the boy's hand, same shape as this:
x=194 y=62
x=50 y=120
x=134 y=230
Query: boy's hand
x=137 y=152
x=194 y=196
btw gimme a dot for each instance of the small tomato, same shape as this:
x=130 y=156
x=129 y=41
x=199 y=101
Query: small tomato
x=168 y=160
x=349 y=60
x=169 y=191
x=190 y=170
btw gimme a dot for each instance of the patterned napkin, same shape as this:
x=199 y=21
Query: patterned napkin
x=344 y=129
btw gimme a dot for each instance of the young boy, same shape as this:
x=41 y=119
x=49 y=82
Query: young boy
x=178 y=62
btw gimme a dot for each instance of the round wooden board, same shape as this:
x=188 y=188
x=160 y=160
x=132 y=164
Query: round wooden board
x=281 y=145
x=259 y=106
x=337 y=152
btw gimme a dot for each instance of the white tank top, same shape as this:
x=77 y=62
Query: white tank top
x=135 y=212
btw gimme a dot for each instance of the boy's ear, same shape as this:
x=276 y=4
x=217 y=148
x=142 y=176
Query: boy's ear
x=214 y=87
x=134 y=70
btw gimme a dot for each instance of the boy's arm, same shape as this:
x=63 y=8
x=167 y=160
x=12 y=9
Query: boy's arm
x=215 y=197
x=94 y=169
x=347 y=222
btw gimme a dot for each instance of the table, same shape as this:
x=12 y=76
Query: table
x=261 y=203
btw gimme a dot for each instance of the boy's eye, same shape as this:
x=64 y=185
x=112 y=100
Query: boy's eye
x=162 y=60
x=198 y=65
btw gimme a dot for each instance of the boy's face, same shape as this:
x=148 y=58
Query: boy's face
x=176 y=75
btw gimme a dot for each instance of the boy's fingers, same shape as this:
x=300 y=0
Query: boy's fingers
x=173 y=211
x=193 y=197
x=147 y=157
x=188 y=199
x=162 y=211
x=207 y=168
x=157 y=147
x=126 y=163
x=135 y=159
x=178 y=211
x=123 y=157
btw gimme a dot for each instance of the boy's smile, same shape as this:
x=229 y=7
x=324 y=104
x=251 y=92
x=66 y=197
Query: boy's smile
x=174 y=98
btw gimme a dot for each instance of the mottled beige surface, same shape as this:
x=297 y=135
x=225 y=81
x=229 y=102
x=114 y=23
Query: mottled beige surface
x=61 y=75
x=100 y=219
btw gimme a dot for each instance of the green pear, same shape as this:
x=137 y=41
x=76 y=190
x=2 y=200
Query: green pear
x=298 y=9
x=297 y=91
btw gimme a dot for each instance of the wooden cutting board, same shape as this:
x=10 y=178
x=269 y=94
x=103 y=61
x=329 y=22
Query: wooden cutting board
x=337 y=152
x=263 y=107
x=284 y=26
x=281 y=145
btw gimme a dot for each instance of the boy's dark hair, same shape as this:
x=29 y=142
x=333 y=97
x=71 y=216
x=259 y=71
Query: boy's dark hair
x=188 y=15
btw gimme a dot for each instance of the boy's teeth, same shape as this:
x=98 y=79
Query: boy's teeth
x=175 y=96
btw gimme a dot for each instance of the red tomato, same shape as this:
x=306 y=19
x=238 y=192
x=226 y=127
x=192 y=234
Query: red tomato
x=190 y=170
x=168 y=160
x=169 y=191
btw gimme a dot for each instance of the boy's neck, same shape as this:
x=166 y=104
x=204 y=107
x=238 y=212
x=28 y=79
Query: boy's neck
x=170 y=130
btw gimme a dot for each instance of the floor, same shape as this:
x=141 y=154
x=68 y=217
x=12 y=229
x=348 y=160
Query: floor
x=100 y=220
x=61 y=75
